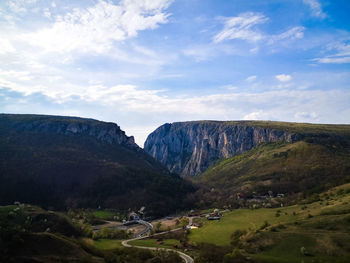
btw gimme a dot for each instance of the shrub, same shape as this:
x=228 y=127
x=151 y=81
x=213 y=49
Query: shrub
x=110 y=234
x=265 y=225
x=236 y=237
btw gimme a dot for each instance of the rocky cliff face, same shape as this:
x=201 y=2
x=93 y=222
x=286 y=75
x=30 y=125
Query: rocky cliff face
x=188 y=148
x=102 y=131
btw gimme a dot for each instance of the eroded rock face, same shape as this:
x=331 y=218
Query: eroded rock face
x=188 y=148
x=103 y=131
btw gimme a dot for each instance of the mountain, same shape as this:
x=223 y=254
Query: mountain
x=64 y=162
x=254 y=157
x=189 y=148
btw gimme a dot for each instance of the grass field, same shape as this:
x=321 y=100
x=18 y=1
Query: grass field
x=105 y=214
x=219 y=232
x=167 y=243
x=107 y=244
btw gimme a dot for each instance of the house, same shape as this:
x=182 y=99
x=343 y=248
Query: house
x=214 y=215
x=133 y=216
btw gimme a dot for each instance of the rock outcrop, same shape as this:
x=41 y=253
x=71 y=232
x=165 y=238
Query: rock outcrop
x=189 y=148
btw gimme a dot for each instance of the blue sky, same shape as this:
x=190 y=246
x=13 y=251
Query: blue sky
x=143 y=63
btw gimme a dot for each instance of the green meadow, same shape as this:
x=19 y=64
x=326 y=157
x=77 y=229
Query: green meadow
x=105 y=214
x=107 y=244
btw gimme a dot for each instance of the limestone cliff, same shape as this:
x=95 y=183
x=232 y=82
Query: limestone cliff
x=188 y=148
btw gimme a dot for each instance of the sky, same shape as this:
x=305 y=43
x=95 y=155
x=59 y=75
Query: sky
x=141 y=64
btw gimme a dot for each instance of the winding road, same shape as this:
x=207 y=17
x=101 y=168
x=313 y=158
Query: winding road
x=185 y=257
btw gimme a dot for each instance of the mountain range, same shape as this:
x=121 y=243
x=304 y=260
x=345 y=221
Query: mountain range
x=68 y=162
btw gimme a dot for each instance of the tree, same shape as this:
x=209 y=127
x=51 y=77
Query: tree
x=158 y=226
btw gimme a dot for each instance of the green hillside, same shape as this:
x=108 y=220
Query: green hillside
x=278 y=234
x=306 y=232
x=308 y=166
x=42 y=163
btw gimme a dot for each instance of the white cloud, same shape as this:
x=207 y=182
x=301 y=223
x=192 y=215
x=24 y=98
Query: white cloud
x=333 y=60
x=283 y=77
x=230 y=87
x=209 y=51
x=6 y=46
x=47 y=13
x=20 y=6
x=305 y=115
x=96 y=28
x=341 y=54
x=241 y=27
x=15 y=75
x=256 y=115
x=134 y=107
x=251 y=78
x=291 y=34
x=254 y=50
x=316 y=8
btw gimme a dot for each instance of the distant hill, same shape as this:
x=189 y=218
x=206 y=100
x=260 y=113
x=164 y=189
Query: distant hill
x=61 y=162
x=189 y=148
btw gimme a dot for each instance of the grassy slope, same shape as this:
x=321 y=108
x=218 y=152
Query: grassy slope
x=307 y=167
x=321 y=227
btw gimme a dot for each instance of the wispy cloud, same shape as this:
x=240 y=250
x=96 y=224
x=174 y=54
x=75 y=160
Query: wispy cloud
x=20 y=6
x=291 y=34
x=96 y=28
x=241 y=27
x=340 y=54
x=316 y=8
